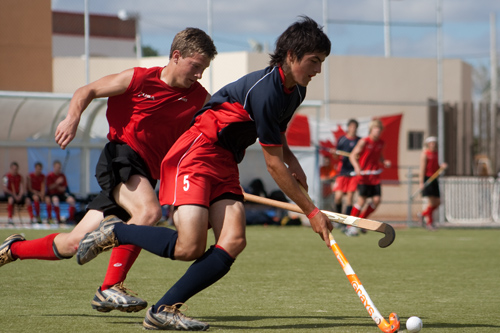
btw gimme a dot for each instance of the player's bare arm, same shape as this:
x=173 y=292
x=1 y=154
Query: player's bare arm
x=353 y=158
x=293 y=164
x=289 y=185
x=111 y=85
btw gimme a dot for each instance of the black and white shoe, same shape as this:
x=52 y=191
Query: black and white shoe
x=117 y=298
x=171 y=318
x=97 y=241
x=5 y=253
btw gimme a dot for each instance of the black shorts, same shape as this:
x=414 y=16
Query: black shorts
x=431 y=190
x=31 y=195
x=369 y=191
x=61 y=196
x=117 y=163
x=17 y=202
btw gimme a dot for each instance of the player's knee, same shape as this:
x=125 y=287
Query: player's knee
x=150 y=215
x=189 y=253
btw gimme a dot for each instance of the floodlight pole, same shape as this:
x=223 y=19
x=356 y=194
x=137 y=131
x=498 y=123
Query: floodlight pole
x=493 y=92
x=326 y=67
x=86 y=25
x=387 y=29
x=210 y=33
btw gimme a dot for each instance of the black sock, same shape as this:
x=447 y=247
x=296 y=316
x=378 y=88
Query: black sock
x=208 y=269
x=348 y=210
x=158 y=240
x=338 y=208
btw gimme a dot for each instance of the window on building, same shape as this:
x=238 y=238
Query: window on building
x=415 y=140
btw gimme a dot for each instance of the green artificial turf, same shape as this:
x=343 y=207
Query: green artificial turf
x=285 y=280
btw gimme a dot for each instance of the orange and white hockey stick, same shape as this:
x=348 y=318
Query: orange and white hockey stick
x=372 y=225
x=388 y=327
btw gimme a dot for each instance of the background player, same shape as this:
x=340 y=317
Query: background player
x=148 y=109
x=14 y=188
x=366 y=158
x=57 y=191
x=429 y=164
x=35 y=185
x=346 y=183
x=203 y=166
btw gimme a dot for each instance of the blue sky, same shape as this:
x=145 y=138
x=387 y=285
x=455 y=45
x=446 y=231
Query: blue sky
x=466 y=26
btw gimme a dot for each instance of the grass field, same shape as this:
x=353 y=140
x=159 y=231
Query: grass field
x=285 y=280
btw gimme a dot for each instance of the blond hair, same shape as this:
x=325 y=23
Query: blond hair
x=376 y=123
x=191 y=41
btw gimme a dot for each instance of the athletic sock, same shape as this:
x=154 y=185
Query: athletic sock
x=158 y=240
x=205 y=271
x=72 y=211
x=37 y=208
x=121 y=260
x=368 y=210
x=57 y=210
x=429 y=215
x=355 y=210
x=29 y=208
x=427 y=210
x=10 y=210
x=338 y=208
x=49 y=211
x=40 y=248
x=348 y=210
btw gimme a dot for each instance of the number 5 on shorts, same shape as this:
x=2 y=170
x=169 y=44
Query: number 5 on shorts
x=186 y=183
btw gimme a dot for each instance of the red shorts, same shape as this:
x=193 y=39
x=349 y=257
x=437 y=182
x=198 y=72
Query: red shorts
x=345 y=184
x=197 y=171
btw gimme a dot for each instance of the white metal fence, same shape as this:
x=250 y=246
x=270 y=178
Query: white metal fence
x=471 y=200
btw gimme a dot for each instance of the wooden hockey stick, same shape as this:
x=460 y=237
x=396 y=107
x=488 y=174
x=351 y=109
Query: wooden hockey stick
x=381 y=227
x=429 y=180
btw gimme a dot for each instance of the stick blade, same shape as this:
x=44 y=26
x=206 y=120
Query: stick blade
x=390 y=236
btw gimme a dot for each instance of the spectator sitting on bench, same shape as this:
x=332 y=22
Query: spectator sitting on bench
x=57 y=191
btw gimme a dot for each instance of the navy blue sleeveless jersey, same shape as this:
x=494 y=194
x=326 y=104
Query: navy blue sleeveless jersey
x=346 y=144
x=257 y=106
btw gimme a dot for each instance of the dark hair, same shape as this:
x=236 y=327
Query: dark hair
x=56 y=162
x=193 y=40
x=14 y=164
x=353 y=121
x=303 y=36
x=38 y=164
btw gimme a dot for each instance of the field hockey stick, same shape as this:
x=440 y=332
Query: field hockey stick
x=381 y=227
x=342 y=153
x=429 y=180
x=388 y=327
x=367 y=172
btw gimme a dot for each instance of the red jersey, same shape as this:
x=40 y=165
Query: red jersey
x=150 y=116
x=369 y=160
x=13 y=181
x=51 y=179
x=36 y=181
x=432 y=163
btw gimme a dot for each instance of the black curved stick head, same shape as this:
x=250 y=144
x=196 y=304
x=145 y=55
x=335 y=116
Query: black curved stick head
x=389 y=237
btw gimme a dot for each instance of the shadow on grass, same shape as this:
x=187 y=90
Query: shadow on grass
x=321 y=322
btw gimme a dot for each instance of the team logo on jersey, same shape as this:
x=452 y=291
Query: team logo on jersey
x=141 y=94
x=184 y=99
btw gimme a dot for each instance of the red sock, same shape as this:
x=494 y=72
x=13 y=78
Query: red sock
x=40 y=248
x=57 y=210
x=30 y=211
x=370 y=209
x=72 y=211
x=355 y=210
x=10 y=210
x=37 y=208
x=427 y=210
x=122 y=259
x=429 y=215
x=49 y=211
